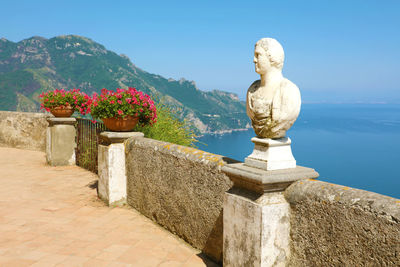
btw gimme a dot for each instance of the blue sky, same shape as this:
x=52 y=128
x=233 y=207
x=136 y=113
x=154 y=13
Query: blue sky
x=336 y=51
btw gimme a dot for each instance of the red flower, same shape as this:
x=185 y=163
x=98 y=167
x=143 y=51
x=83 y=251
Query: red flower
x=120 y=112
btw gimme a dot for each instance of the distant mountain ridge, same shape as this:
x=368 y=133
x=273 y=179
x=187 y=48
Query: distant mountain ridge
x=38 y=64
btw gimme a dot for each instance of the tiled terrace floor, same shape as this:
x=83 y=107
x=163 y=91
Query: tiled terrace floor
x=50 y=216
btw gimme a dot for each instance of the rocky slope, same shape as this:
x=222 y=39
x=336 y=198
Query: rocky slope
x=37 y=64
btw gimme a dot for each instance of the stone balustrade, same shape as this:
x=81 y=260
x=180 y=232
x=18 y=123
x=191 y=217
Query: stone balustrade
x=247 y=218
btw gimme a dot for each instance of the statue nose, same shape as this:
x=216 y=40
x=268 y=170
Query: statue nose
x=254 y=60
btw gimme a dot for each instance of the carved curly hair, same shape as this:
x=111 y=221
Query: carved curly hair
x=274 y=51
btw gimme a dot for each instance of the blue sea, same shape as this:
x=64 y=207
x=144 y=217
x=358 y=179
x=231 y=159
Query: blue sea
x=356 y=145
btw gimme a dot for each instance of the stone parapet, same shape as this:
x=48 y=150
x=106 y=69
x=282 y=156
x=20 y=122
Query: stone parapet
x=335 y=225
x=24 y=130
x=180 y=188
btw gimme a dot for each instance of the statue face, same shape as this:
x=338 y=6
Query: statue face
x=261 y=60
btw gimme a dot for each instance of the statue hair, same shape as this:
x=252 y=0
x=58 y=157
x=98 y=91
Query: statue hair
x=274 y=51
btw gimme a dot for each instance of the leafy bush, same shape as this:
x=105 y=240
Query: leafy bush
x=169 y=128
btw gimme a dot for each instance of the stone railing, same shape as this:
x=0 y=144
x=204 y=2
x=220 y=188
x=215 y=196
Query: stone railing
x=180 y=188
x=23 y=130
x=333 y=225
x=183 y=189
x=243 y=219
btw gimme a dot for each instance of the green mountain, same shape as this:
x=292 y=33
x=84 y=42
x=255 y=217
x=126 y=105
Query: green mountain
x=37 y=64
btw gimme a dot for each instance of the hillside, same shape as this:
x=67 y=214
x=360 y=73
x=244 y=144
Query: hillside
x=37 y=64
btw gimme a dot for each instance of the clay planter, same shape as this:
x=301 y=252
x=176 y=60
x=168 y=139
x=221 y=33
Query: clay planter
x=62 y=112
x=121 y=124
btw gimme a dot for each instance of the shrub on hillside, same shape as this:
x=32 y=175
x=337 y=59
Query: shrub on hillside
x=169 y=128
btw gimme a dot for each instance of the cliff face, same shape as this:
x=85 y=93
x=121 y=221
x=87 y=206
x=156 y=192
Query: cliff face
x=37 y=64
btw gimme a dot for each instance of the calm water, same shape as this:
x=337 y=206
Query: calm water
x=357 y=145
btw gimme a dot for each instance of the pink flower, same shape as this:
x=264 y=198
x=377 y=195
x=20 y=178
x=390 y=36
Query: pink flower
x=128 y=100
x=119 y=102
x=120 y=112
x=112 y=102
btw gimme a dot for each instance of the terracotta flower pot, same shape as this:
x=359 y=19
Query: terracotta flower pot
x=62 y=111
x=118 y=124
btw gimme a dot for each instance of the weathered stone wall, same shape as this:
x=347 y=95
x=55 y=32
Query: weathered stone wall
x=180 y=188
x=333 y=225
x=23 y=130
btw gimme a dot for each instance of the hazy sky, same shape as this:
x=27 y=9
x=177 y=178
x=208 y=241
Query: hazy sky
x=335 y=50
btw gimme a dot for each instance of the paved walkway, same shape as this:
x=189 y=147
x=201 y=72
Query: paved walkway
x=50 y=216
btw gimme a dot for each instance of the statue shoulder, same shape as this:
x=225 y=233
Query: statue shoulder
x=254 y=86
x=289 y=99
x=289 y=87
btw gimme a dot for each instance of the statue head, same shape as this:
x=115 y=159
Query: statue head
x=268 y=53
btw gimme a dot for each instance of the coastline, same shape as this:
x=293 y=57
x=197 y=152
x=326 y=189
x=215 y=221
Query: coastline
x=222 y=132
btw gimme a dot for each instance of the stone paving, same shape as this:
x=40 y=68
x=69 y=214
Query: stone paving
x=51 y=216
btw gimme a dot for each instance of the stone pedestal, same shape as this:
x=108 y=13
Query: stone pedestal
x=111 y=166
x=271 y=154
x=257 y=216
x=60 y=141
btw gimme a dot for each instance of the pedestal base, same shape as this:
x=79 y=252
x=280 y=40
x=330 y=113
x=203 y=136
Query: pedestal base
x=111 y=167
x=60 y=141
x=257 y=216
x=271 y=154
x=256 y=232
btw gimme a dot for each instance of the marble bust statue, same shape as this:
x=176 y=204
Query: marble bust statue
x=273 y=102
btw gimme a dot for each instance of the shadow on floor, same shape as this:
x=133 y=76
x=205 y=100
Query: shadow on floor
x=207 y=261
x=94 y=185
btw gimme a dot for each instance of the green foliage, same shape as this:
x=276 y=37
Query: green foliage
x=169 y=128
x=78 y=62
x=12 y=83
x=87 y=156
